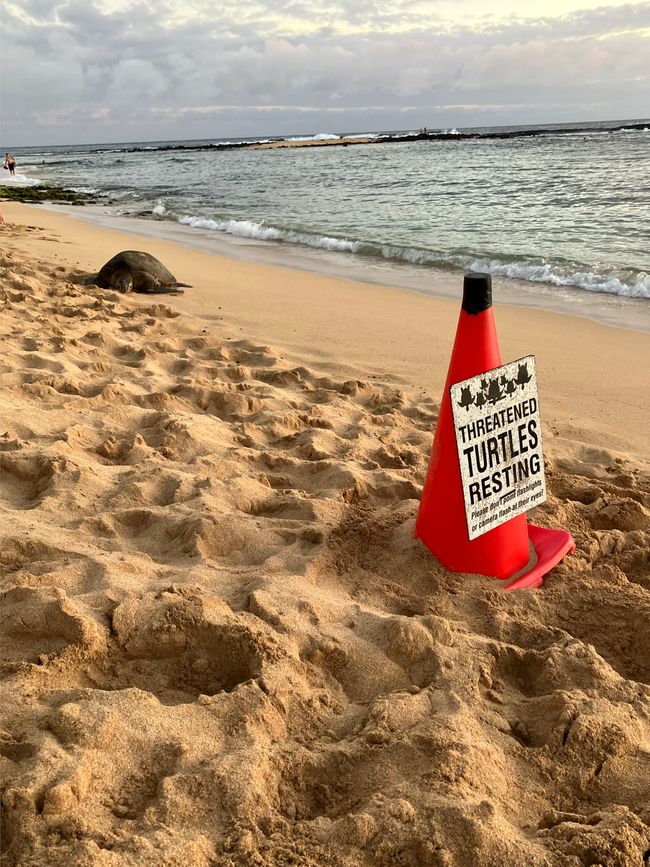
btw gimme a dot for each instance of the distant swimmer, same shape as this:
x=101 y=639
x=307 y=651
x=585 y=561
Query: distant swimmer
x=10 y=163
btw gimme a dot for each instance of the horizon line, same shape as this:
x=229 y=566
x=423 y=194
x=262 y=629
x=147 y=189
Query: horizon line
x=437 y=130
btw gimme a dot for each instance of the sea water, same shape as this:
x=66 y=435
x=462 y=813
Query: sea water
x=563 y=214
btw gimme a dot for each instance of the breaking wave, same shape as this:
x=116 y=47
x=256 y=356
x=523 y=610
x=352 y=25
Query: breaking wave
x=629 y=283
x=261 y=232
x=19 y=180
x=321 y=136
x=635 y=284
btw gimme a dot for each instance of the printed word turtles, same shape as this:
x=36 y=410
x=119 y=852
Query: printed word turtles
x=134 y=271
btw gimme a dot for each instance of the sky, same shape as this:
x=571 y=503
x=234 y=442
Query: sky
x=82 y=71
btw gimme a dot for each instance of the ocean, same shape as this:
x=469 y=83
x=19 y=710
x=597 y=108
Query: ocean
x=564 y=216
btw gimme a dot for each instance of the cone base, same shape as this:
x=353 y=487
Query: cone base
x=550 y=546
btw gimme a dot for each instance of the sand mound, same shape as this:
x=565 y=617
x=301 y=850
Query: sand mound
x=222 y=646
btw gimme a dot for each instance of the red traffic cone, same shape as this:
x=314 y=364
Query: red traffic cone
x=441 y=523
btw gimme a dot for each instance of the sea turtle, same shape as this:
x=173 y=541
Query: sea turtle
x=134 y=271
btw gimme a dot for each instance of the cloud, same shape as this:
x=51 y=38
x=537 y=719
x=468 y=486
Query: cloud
x=91 y=70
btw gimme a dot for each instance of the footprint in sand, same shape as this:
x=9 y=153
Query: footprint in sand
x=43 y=621
x=178 y=645
x=26 y=480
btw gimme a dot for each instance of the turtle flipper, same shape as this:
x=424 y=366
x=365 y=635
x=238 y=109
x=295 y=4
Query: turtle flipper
x=152 y=286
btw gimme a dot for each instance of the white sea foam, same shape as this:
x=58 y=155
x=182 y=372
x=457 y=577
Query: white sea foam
x=534 y=273
x=321 y=136
x=19 y=180
x=537 y=273
x=258 y=231
x=253 y=141
x=608 y=283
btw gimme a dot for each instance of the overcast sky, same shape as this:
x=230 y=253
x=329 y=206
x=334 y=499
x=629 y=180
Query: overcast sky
x=77 y=71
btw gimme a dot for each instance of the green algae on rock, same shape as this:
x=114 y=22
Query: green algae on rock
x=45 y=193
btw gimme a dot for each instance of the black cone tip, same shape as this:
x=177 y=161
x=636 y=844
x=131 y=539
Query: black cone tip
x=477 y=292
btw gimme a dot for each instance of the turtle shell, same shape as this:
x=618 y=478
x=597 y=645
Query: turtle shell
x=139 y=264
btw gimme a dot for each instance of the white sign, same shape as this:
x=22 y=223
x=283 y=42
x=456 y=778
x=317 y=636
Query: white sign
x=499 y=439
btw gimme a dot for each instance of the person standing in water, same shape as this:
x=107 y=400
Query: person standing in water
x=10 y=163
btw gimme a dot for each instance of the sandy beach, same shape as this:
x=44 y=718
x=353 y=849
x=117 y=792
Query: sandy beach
x=221 y=644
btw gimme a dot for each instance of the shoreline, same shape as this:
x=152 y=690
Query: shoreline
x=618 y=311
x=546 y=266
x=586 y=369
